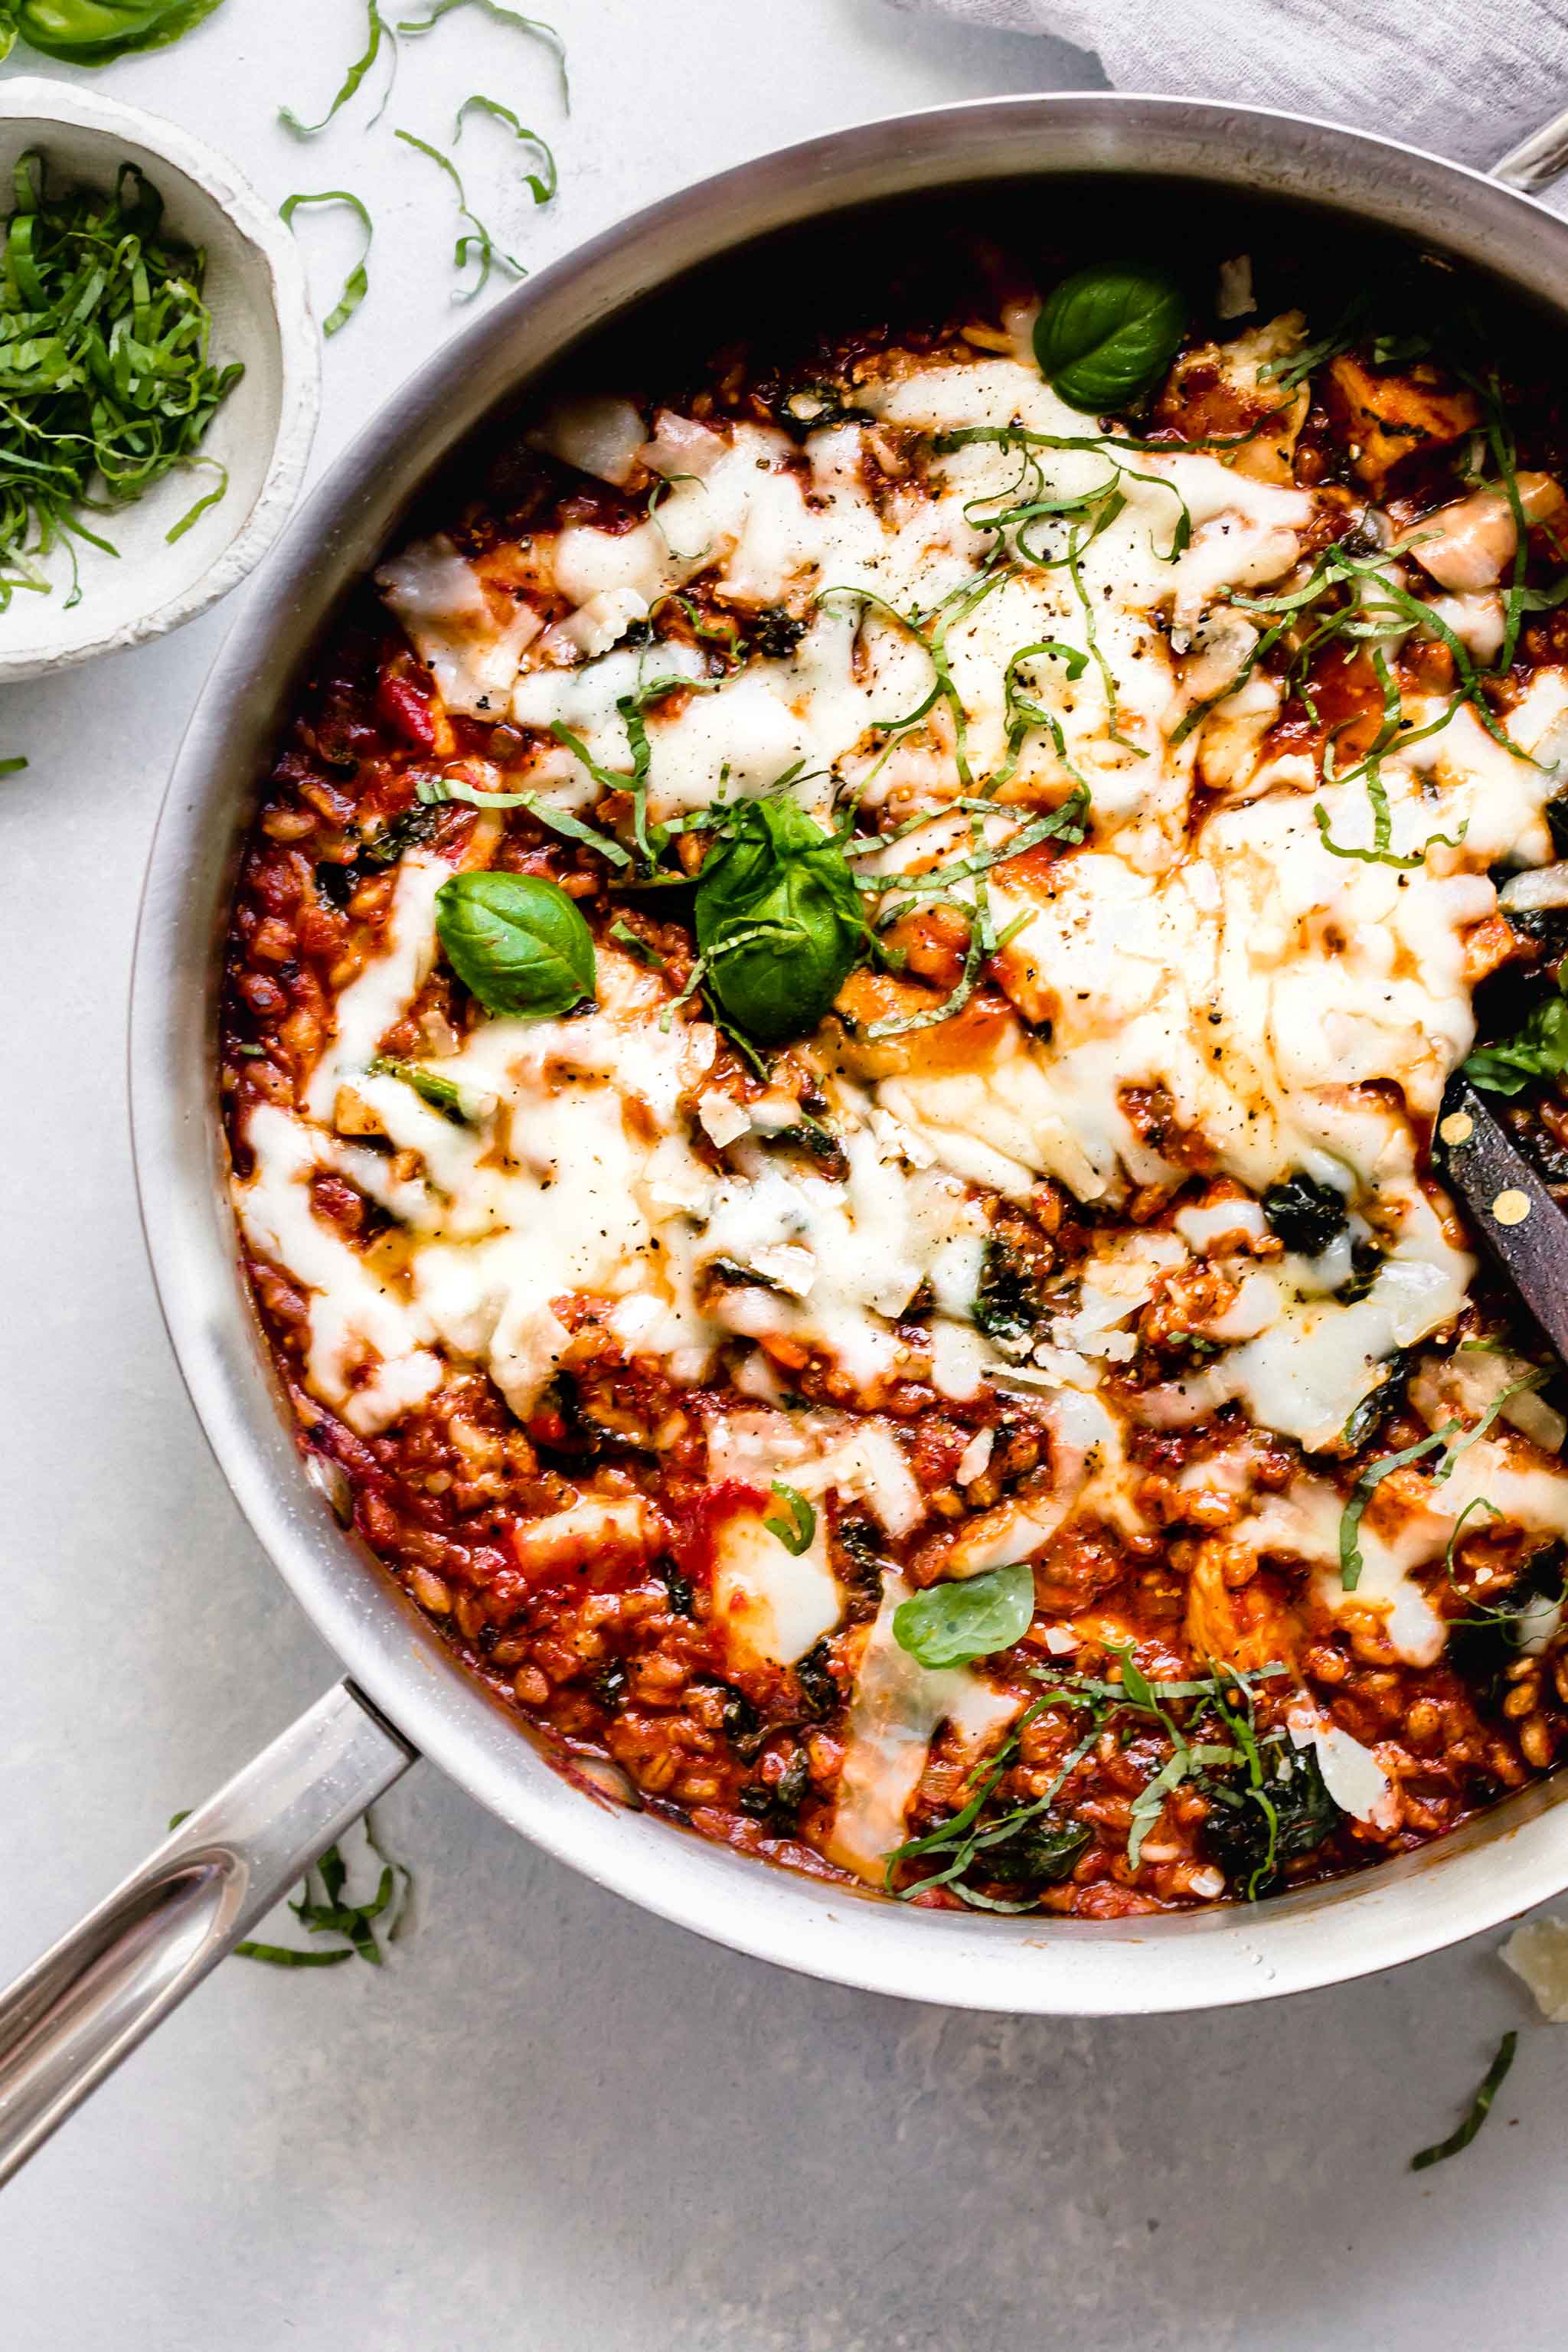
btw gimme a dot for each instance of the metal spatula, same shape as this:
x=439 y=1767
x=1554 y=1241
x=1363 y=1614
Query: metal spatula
x=1510 y=1208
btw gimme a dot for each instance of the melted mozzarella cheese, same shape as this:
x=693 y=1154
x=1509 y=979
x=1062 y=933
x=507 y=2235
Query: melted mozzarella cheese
x=1312 y=1359
x=470 y=651
x=897 y=1708
x=1197 y=984
x=776 y=1602
x=1351 y=1772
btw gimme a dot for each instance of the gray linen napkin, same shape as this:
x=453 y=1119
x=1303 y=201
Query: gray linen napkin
x=1466 y=80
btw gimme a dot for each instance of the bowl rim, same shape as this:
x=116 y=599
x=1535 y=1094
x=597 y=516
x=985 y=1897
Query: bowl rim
x=1490 y=1869
x=43 y=100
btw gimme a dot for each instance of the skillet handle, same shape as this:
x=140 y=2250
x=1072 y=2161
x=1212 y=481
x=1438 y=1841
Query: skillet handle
x=1536 y=160
x=81 y=2009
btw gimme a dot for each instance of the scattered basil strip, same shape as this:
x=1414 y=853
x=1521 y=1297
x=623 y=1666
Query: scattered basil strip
x=1480 y=2107
x=1452 y=1439
x=356 y=285
x=95 y=31
x=543 y=184
x=377 y=30
x=1537 y=1050
x=1289 y=371
x=778 y=919
x=105 y=362
x=929 y=627
x=972 y=1617
x=15 y=765
x=508 y=15
x=441 y=1094
x=209 y=498
x=434 y=790
x=476 y=239
x=635 y=944
x=1105 y=335
x=516 y=941
x=1350 y=1559
x=797 y=1531
x=320 y=1909
x=968 y=1837
x=1477 y=1503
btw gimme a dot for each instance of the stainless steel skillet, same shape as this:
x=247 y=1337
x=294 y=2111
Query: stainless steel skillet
x=90 y=2000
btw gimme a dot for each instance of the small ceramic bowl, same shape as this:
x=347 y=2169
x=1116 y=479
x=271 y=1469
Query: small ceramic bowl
x=261 y=315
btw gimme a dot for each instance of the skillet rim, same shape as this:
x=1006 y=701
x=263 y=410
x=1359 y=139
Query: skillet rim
x=1511 y=1857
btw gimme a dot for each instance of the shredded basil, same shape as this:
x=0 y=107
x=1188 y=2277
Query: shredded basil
x=1539 y=1049
x=966 y=1841
x=623 y=933
x=434 y=790
x=321 y=1909
x=797 y=1531
x=543 y=183
x=106 y=376
x=1350 y=1559
x=929 y=627
x=441 y=1094
x=475 y=240
x=377 y=30
x=1480 y=2108
x=356 y=285
x=535 y=26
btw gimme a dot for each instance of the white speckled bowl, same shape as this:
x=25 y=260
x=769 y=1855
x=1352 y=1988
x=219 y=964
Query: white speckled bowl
x=261 y=315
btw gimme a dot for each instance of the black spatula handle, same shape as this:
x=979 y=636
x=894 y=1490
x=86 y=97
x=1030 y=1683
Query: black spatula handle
x=1509 y=1206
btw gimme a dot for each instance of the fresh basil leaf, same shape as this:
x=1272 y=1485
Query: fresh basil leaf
x=1538 y=1050
x=94 y=32
x=973 y=1617
x=796 y=1532
x=778 y=919
x=1106 y=336
x=517 y=941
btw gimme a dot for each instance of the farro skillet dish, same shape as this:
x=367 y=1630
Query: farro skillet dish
x=836 y=1015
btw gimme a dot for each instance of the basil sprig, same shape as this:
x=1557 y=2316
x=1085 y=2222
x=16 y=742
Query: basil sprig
x=1106 y=336
x=517 y=941
x=94 y=32
x=778 y=920
x=974 y=1616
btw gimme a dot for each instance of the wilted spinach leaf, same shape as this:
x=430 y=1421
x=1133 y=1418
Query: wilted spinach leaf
x=1305 y=1215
